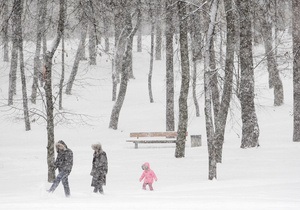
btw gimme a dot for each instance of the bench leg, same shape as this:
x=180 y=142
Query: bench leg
x=135 y=145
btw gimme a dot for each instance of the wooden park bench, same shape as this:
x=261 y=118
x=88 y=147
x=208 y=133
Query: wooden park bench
x=153 y=138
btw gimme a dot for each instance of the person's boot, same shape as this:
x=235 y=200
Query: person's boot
x=101 y=189
x=67 y=193
x=150 y=186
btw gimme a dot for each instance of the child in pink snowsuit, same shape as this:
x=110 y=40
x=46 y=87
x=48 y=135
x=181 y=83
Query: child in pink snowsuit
x=148 y=176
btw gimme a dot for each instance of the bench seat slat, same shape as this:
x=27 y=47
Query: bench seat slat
x=152 y=141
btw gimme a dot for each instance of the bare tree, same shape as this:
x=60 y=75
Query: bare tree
x=185 y=80
x=208 y=77
x=81 y=46
x=62 y=77
x=220 y=123
x=5 y=30
x=264 y=11
x=139 y=39
x=37 y=70
x=170 y=122
x=196 y=45
x=92 y=33
x=151 y=12
x=296 y=68
x=158 y=41
x=14 y=57
x=128 y=34
x=120 y=30
x=106 y=31
x=17 y=13
x=48 y=90
x=213 y=65
x=250 y=129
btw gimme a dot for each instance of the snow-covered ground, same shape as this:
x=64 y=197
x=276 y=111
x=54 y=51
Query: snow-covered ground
x=266 y=178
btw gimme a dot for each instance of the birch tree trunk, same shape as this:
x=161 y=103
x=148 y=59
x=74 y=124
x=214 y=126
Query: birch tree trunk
x=5 y=31
x=24 y=89
x=78 y=56
x=119 y=44
x=296 y=69
x=62 y=77
x=18 y=9
x=92 y=34
x=128 y=35
x=92 y=44
x=194 y=88
x=214 y=79
x=139 y=39
x=119 y=23
x=50 y=117
x=170 y=122
x=185 y=80
x=106 y=33
x=114 y=78
x=213 y=66
x=208 y=77
x=266 y=28
x=37 y=61
x=83 y=4
x=130 y=59
x=250 y=129
x=48 y=90
x=196 y=45
x=228 y=80
x=44 y=42
x=158 y=22
x=151 y=53
x=12 y=88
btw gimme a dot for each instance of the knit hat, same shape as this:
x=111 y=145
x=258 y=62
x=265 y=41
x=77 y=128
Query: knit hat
x=97 y=147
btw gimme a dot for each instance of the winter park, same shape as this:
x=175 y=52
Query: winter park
x=159 y=104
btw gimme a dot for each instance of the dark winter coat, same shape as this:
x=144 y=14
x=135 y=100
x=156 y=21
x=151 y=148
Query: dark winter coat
x=99 y=169
x=64 y=159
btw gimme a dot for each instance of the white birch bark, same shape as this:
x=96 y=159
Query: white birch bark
x=208 y=73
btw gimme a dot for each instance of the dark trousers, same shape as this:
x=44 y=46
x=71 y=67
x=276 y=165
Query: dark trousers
x=63 y=177
x=99 y=189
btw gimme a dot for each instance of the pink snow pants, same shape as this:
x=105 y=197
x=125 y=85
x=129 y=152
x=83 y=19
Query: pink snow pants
x=150 y=186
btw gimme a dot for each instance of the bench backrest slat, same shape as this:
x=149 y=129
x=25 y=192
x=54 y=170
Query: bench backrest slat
x=167 y=134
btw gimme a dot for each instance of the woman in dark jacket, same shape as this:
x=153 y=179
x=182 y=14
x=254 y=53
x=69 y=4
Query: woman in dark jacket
x=64 y=164
x=99 y=168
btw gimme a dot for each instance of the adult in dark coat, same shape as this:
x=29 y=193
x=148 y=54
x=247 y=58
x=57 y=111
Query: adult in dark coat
x=64 y=164
x=99 y=168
